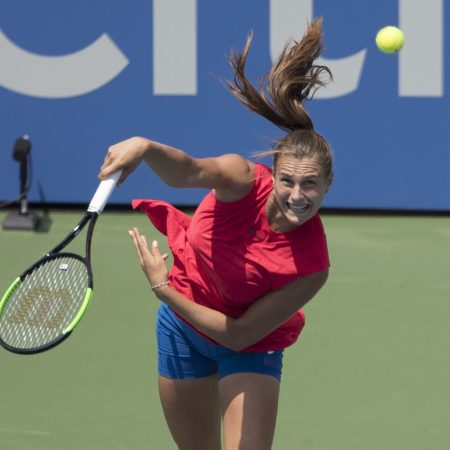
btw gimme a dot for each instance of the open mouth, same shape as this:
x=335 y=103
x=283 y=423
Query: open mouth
x=298 y=209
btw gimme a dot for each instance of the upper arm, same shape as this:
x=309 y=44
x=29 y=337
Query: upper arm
x=273 y=309
x=230 y=175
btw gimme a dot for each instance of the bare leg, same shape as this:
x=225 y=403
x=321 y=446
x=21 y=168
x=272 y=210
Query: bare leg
x=249 y=407
x=192 y=412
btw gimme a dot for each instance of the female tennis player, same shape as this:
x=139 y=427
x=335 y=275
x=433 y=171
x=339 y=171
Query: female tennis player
x=253 y=254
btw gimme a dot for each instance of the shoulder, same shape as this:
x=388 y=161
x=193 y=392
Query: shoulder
x=235 y=165
x=238 y=177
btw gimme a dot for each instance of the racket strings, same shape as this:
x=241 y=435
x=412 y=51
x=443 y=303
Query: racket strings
x=41 y=308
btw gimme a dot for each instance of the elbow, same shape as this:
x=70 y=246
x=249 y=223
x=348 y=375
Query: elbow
x=318 y=280
x=239 y=337
x=237 y=345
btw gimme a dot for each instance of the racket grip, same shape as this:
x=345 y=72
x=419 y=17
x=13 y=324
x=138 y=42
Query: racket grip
x=103 y=193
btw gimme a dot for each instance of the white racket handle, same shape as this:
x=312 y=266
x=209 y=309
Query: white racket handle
x=103 y=193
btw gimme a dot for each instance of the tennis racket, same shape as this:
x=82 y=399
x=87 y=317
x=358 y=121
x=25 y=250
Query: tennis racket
x=45 y=303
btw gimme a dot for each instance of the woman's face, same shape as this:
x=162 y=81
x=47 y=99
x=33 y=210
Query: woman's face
x=299 y=188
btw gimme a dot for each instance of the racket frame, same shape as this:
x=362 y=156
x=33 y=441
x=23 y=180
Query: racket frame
x=95 y=208
x=91 y=218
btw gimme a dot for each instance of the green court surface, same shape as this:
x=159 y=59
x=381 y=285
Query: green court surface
x=371 y=370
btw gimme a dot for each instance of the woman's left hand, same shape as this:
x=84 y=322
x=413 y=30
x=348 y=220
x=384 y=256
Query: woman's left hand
x=151 y=260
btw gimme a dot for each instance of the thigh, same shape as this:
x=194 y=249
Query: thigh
x=192 y=411
x=249 y=403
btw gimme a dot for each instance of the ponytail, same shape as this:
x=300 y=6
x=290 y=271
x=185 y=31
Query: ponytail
x=293 y=79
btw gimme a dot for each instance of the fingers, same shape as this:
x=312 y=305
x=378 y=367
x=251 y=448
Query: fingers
x=157 y=252
x=151 y=260
x=109 y=166
x=125 y=156
x=155 y=249
x=123 y=176
x=114 y=161
x=139 y=239
x=138 y=244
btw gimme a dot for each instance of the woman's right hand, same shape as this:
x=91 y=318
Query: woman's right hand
x=126 y=156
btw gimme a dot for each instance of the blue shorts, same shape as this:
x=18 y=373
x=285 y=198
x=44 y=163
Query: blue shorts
x=185 y=354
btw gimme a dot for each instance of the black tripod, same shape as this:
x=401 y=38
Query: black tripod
x=22 y=219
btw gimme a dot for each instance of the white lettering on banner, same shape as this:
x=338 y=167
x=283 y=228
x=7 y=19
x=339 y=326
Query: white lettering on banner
x=63 y=76
x=288 y=19
x=421 y=63
x=175 y=47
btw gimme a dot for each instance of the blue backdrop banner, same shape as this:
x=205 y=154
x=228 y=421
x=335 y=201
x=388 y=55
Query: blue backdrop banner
x=79 y=76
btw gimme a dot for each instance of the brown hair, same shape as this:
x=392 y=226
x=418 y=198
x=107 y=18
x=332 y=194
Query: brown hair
x=293 y=79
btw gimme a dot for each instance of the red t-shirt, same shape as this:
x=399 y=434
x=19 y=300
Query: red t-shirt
x=227 y=256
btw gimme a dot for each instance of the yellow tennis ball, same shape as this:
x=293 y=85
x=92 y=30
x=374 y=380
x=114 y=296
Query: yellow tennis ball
x=390 y=39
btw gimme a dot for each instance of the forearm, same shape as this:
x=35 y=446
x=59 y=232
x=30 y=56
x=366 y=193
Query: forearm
x=230 y=174
x=262 y=317
x=171 y=165
x=212 y=323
